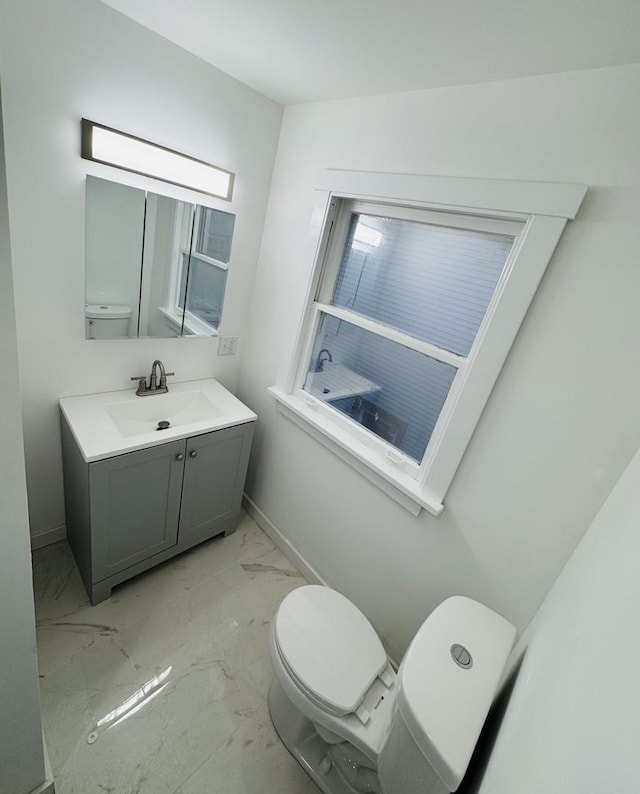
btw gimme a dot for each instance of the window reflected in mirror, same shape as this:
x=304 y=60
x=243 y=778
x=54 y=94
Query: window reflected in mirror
x=155 y=266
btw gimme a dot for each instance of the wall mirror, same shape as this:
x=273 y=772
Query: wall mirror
x=155 y=266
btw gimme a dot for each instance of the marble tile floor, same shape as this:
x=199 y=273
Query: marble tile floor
x=162 y=688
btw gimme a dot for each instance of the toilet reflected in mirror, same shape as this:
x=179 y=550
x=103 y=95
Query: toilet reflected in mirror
x=163 y=261
x=107 y=321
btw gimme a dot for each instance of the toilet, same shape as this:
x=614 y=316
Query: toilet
x=107 y=321
x=353 y=723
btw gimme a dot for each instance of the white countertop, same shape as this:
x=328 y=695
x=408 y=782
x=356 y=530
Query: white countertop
x=336 y=381
x=192 y=407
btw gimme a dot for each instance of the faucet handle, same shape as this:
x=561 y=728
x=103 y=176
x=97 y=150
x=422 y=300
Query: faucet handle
x=163 y=379
x=142 y=384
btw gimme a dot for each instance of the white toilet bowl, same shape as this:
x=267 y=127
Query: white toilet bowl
x=356 y=726
x=333 y=668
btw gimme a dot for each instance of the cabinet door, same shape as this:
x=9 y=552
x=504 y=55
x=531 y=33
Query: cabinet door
x=215 y=470
x=135 y=504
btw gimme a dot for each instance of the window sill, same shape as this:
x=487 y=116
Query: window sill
x=387 y=476
x=195 y=327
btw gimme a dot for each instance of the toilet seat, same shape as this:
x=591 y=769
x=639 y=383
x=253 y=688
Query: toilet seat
x=329 y=649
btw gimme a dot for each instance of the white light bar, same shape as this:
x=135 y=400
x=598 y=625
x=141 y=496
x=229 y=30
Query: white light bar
x=105 y=145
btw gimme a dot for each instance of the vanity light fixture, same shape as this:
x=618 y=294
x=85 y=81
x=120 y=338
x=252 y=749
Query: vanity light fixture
x=121 y=150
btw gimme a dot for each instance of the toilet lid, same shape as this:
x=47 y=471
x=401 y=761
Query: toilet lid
x=329 y=646
x=107 y=311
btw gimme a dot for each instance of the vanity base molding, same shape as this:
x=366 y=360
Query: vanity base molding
x=100 y=591
x=130 y=512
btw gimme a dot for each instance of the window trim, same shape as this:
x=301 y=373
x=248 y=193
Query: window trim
x=542 y=208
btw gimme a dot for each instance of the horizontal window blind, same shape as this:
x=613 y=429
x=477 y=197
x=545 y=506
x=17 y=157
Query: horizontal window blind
x=215 y=233
x=432 y=282
x=393 y=391
x=204 y=285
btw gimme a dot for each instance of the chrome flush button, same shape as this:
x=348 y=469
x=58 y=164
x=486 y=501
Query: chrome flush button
x=461 y=656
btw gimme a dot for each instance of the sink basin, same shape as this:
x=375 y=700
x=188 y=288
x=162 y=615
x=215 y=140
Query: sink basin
x=112 y=423
x=135 y=418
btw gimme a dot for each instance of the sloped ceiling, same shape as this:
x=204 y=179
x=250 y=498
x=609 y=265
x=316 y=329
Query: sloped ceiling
x=299 y=51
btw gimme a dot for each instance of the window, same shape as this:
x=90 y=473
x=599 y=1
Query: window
x=401 y=299
x=201 y=259
x=412 y=309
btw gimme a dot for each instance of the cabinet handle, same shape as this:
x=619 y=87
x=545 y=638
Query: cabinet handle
x=193 y=454
x=179 y=456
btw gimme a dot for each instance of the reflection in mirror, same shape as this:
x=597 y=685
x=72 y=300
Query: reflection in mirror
x=187 y=274
x=164 y=240
x=202 y=284
x=114 y=223
x=156 y=267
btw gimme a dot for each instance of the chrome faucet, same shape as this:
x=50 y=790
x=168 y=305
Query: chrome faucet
x=154 y=386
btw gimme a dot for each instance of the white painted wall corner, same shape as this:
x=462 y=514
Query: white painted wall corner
x=48 y=536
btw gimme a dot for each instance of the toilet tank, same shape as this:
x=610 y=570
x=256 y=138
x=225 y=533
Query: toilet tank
x=448 y=679
x=107 y=321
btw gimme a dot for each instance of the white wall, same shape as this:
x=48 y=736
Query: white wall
x=73 y=58
x=572 y=720
x=21 y=750
x=564 y=417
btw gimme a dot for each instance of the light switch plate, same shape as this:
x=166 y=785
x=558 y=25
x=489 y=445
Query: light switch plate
x=227 y=345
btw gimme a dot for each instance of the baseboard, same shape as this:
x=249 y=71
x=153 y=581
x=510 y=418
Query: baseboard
x=285 y=546
x=48 y=536
x=47 y=787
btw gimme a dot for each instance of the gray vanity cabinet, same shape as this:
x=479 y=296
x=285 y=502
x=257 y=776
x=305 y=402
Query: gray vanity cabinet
x=130 y=512
x=209 y=460
x=135 y=507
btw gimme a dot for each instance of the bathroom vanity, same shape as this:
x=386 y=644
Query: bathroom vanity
x=135 y=495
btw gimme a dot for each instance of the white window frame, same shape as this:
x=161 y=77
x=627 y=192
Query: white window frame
x=542 y=209
x=184 y=232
